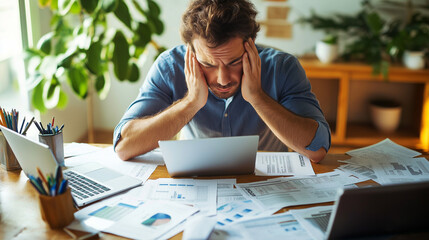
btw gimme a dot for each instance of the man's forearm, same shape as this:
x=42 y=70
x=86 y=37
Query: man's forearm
x=294 y=131
x=139 y=136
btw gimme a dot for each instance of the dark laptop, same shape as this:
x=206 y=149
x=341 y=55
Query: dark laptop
x=363 y=213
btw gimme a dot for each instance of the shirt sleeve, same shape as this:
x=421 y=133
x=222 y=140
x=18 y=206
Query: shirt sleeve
x=296 y=96
x=154 y=96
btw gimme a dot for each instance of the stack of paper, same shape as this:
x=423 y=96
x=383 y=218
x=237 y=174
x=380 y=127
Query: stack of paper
x=387 y=163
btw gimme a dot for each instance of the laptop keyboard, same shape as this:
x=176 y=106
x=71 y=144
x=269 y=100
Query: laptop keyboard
x=82 y=187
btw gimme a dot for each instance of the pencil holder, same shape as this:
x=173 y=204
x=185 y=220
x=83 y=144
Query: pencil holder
x=55 y=143
x=7 y=157
x=57 y=211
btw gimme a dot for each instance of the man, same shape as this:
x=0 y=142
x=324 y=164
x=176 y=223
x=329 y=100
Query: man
x=222 y=84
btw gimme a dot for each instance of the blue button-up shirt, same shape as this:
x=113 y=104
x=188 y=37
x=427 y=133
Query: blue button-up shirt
x=282 y=78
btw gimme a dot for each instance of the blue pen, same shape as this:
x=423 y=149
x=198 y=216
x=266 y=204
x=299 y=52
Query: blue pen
x=53 y=189
x=62 y=187
x=36 y=183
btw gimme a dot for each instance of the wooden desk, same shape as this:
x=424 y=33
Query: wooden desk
x=20 y=214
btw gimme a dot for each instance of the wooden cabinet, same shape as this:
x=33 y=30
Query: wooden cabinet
x=345 y=132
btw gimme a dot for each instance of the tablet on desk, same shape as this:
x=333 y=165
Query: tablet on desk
x=210 y=156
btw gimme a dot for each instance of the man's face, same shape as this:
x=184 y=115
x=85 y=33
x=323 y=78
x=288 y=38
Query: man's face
x=222 y=66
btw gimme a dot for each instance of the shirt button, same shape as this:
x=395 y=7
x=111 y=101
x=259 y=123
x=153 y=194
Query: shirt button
x=225 y=115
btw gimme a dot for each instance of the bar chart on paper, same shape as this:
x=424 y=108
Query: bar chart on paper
x=173 y=191
x=113 y=213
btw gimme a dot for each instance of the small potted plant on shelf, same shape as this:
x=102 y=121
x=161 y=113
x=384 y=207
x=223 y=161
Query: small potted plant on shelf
x=412 y=41
x=327 y=49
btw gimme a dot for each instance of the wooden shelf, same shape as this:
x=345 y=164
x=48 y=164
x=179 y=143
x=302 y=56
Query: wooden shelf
x=346 y=133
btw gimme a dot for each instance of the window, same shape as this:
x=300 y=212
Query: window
x=12 y=70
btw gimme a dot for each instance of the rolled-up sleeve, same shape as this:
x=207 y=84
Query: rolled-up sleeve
x=298 y=98
x=155 y=95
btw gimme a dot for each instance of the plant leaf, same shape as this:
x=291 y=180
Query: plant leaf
x=154 y=9
x=93 y=60
x=123 y=14
x=109 y=5
x=37 y=97
x=48 y=66
x=89 y=5
x=159 y=26
x=102 y=85
x=375 y=23
x=64 y=6
x=45 y=43
x=51 y=93
x=134 y=73
x=121 y=56
x=62 y=101
x=143 y=35
x=78 y=80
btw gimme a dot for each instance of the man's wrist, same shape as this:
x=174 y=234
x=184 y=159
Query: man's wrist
x=258 y=99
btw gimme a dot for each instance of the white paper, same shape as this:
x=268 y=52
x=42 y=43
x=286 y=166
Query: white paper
x=282 y=164
x=198 y=227
x=199 y=193
x=314 y=220
x=107 y=157
x=151 y=220
x=223 y=185
x=152 y=157
x=278 y=226
x=105 y=213
x=383 y=149
x=284 y=192
x=232 y=212
x=387 y=163
x=75 y=149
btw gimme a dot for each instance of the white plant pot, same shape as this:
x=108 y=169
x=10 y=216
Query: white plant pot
x=386 y=119
x=325 y=52
x=414 y=60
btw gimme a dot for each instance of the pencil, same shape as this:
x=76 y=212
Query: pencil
x=3 y=121
x=22 y=126
x=28 y=126
x=42 y=177
x=53 y=119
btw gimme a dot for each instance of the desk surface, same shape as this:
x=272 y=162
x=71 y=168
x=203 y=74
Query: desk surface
x=20 y=215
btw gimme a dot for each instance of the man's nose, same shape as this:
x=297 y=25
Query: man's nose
x=223 y=76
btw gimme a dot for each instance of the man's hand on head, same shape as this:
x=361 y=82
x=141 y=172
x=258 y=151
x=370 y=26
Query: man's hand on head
x=251 y=80
x=195 y=80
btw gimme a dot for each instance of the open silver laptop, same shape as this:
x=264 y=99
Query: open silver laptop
x=210 y=156
x=376 y=212
x=89 y=182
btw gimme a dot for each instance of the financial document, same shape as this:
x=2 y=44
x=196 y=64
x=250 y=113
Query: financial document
x=278 y=226
x=387 y=163
x=199 y=193
x=284 y=192
x=282 y=164
x=314 y=220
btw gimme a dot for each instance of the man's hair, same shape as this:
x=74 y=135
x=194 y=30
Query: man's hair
x=217 y=21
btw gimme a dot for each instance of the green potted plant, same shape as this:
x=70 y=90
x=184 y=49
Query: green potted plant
x=411 y=42
x=366 y=36
x=83 y=44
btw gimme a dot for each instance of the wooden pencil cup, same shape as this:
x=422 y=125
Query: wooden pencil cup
x=57 y=211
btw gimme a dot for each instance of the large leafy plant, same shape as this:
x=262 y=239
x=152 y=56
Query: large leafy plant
x=84 y=42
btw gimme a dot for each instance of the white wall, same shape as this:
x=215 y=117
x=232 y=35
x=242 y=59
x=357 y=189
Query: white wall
x=109 y=111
